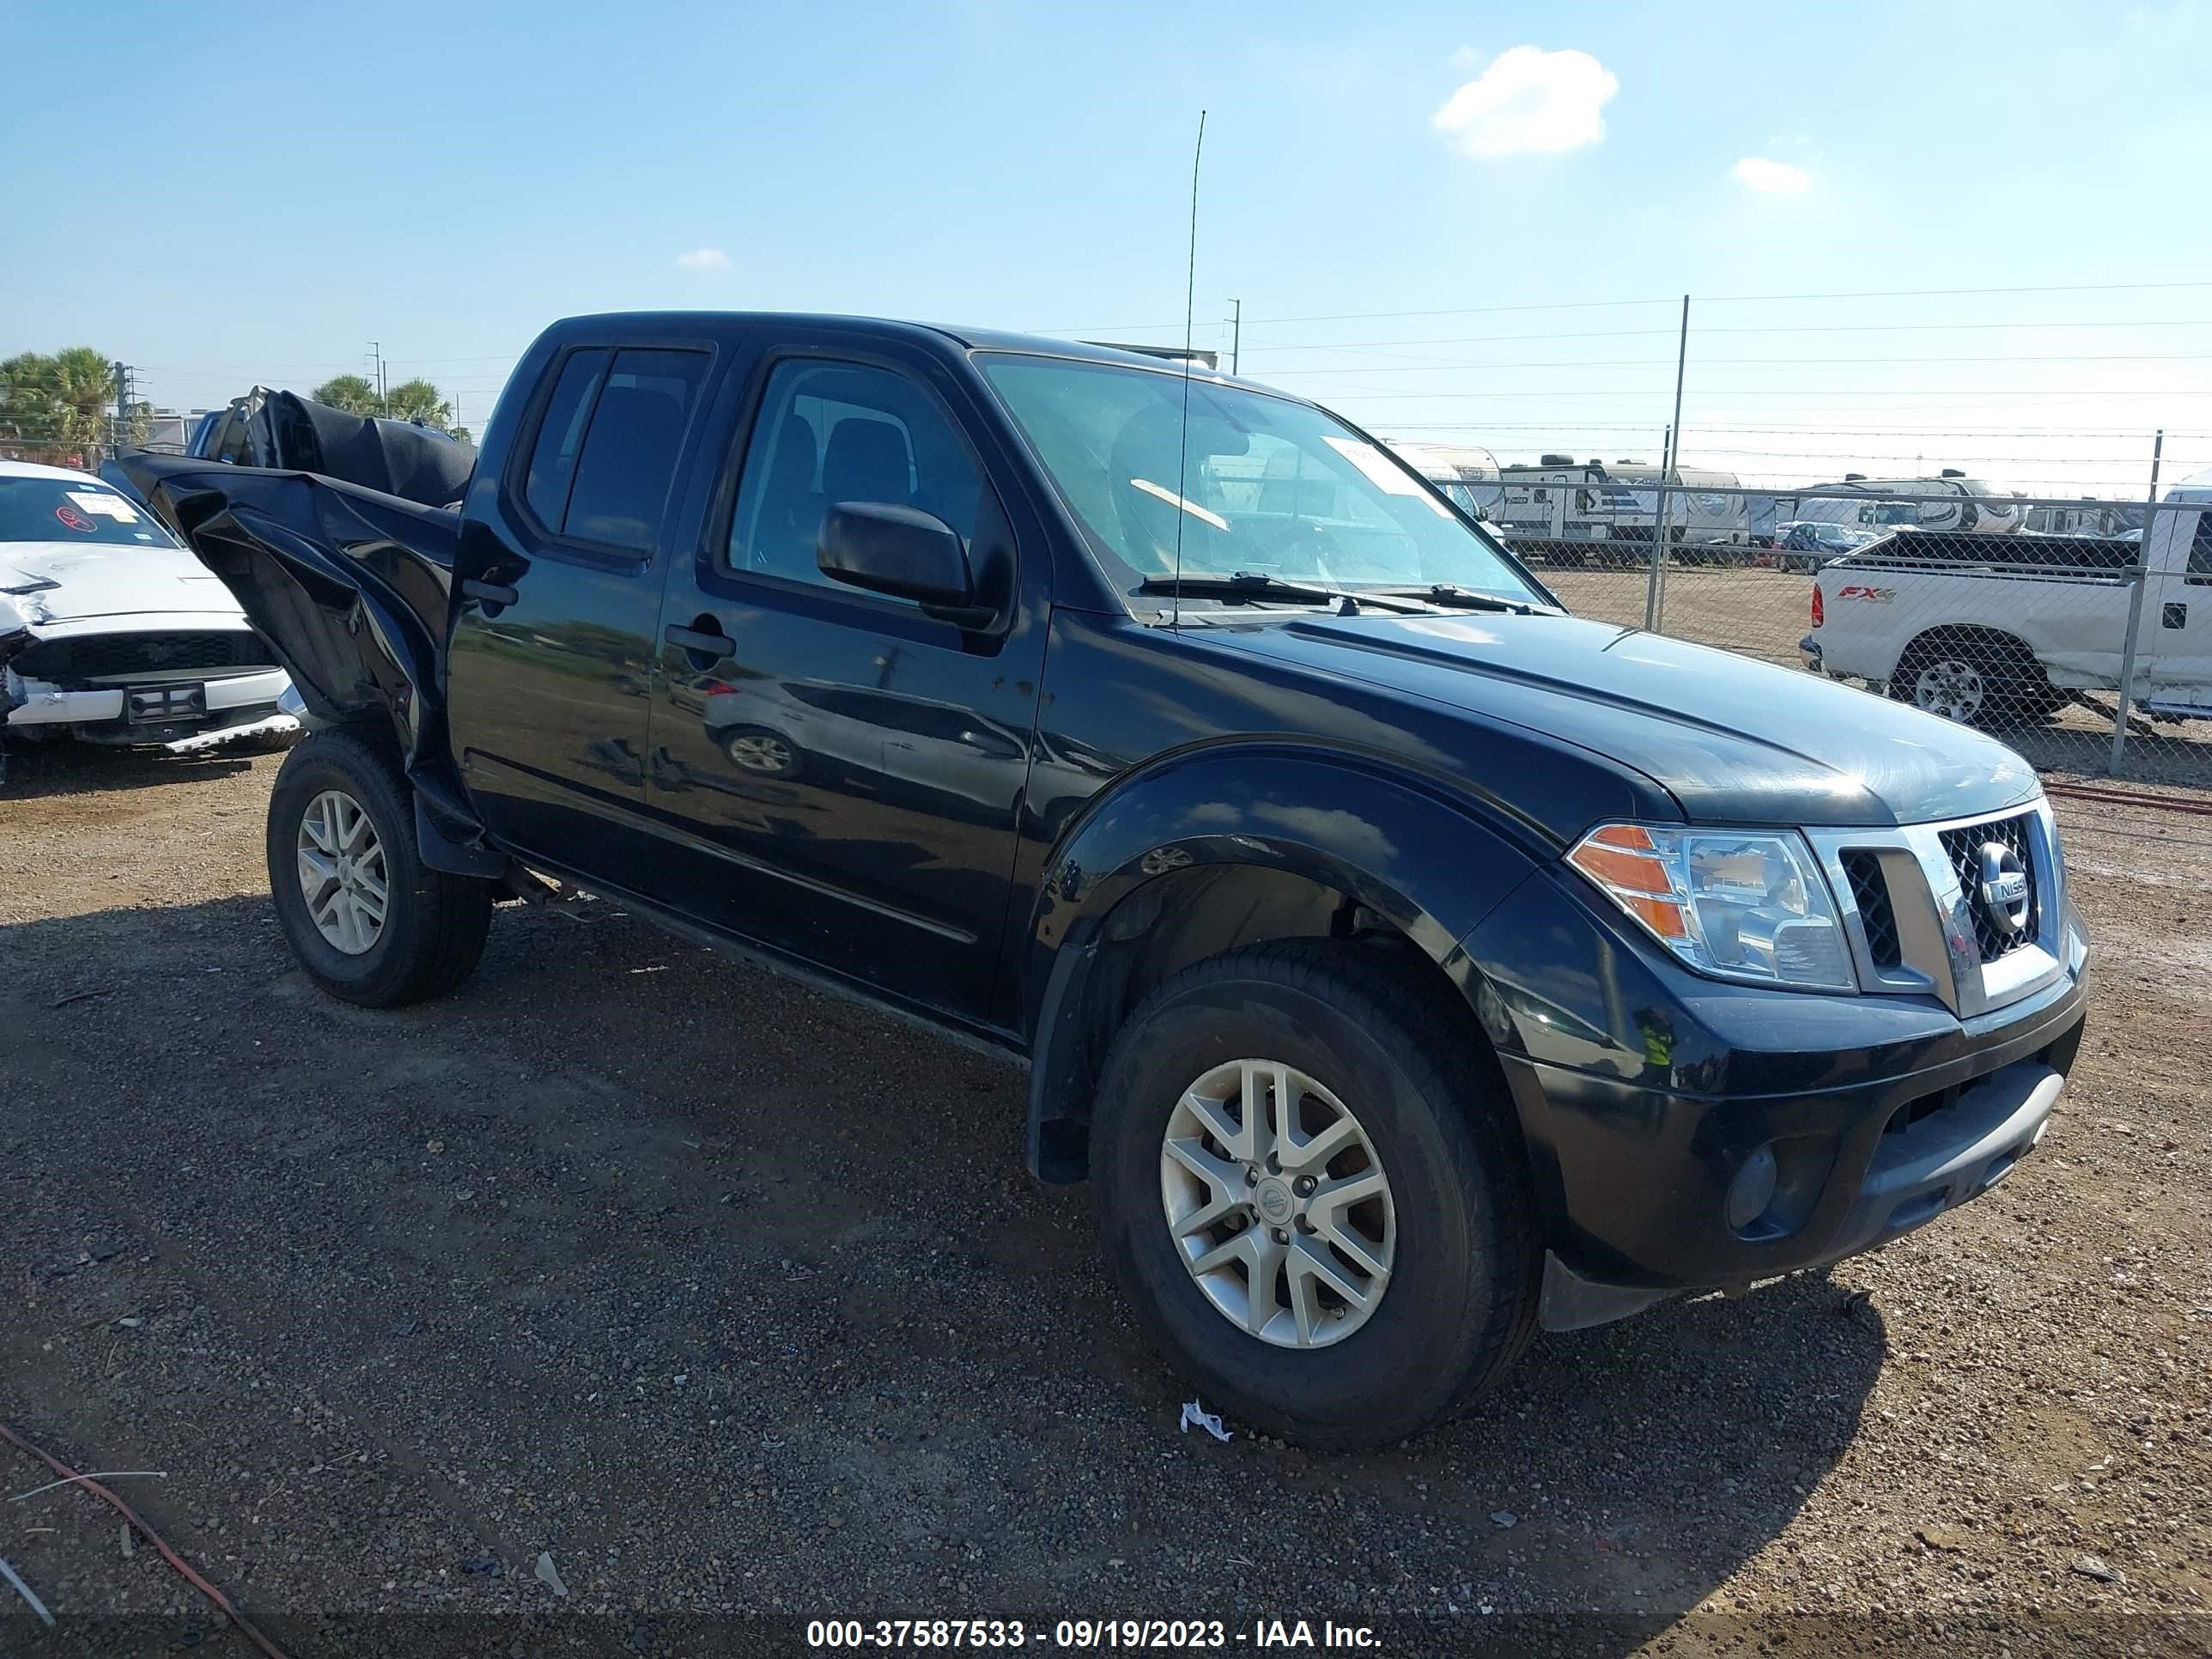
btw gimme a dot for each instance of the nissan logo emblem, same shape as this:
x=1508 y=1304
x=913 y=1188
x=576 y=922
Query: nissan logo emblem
x=2003 y=892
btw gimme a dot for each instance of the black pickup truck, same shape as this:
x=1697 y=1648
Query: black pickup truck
x=1407 y=963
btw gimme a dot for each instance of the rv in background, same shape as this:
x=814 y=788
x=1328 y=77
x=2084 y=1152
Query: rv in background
x=1949 y=501
x=1466 y=473
x=1568 y=504
x=2090 y=518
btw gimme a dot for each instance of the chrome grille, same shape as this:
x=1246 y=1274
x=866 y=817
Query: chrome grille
x=1963 y=846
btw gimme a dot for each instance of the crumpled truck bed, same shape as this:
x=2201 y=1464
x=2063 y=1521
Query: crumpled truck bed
x=351 y=587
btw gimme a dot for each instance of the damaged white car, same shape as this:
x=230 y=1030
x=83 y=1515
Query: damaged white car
x=113 y=633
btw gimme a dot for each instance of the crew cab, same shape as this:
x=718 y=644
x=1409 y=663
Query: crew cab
x=1407 y=962
x=2004 y=630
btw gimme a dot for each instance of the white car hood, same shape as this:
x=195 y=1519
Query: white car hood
x=91 y=582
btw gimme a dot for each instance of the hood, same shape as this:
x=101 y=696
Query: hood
x=1733 y=739
x=108 y=581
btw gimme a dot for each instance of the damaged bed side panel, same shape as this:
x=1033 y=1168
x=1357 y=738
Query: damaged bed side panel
x=352 y=588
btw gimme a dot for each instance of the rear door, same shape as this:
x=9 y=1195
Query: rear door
x=553 y=659
x=841 y=774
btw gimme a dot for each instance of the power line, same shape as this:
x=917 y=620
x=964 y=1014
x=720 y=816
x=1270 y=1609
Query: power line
x=1696 y=429
x=1720 y=299
x=1751 y=363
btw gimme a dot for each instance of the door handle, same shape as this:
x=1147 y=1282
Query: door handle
x=715 y=646
x=487 y=593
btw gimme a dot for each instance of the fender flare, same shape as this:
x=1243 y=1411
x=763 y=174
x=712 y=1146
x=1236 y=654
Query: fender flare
x=1431 y=863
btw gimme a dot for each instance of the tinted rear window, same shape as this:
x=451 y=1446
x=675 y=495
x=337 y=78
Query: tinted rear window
x=631 y=449
x=560 y=436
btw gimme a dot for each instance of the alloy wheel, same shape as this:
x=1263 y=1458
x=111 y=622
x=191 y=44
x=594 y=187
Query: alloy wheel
x=1278 y=1203
x=1951 y=687
x=343 y=874
x=761 y=751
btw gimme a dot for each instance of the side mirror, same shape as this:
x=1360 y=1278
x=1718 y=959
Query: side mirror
x=899 y=551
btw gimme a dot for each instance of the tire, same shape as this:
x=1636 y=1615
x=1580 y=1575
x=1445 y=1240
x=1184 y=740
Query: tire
x=761 y=752
x=431 y=933
x=1458 y=1304
x=1985 y=684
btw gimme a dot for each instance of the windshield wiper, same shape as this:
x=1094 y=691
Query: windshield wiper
x=1467 y=598
x=1251 y=584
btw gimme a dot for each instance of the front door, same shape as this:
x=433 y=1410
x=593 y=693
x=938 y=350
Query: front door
x=553 y=652
x=840 y=773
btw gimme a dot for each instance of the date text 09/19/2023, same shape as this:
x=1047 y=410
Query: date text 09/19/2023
x=1120 y=1634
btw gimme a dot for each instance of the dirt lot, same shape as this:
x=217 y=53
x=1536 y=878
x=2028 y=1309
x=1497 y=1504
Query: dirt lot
x=735 y=1299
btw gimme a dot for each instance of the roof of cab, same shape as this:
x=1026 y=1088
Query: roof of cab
x=977 y=339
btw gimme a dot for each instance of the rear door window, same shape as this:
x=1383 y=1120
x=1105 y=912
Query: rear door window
x=560 y=436
x=607 y=447
x=630 y=450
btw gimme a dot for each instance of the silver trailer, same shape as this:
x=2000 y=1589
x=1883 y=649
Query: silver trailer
x=1466 y=473
x=1565 y=504
x=1949 y=500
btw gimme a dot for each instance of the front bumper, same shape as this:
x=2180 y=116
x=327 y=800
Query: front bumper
x=104 y=713
x=1657 y=1109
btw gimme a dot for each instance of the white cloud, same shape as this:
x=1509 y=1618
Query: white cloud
x=704 y=258
x=1764 y=178
x=1530 y=100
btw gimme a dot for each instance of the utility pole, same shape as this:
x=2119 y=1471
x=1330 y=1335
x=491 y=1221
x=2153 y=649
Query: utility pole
x=126 y=395
x=1655 y=593
x=1236 y=335
x=2142 y=580
x=376 y=351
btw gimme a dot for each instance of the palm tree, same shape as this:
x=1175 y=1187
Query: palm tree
x=419 y=400
x=83 y=392
x=351 y=393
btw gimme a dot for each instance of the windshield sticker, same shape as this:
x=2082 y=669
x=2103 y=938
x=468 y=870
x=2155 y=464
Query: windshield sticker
x=73 y=519
x=1380 y=472
x=107 y=505
x=1174 y=500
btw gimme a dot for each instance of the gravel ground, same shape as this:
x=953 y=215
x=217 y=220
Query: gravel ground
x=735 y=1300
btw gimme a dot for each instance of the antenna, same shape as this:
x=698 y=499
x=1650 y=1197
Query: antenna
x=1182 y=441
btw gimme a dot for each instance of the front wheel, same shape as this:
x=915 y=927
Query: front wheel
x=368 y=918
x=1312 y=1195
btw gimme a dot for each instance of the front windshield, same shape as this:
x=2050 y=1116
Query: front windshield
x=35 y=509
x=1265 y=486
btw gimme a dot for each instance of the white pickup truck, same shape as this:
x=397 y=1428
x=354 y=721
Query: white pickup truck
x=2003 y=630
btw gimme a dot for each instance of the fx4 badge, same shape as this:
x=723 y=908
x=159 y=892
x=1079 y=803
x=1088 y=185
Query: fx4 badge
x=1871 y=595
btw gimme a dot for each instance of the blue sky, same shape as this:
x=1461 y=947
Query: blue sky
x=297 y=181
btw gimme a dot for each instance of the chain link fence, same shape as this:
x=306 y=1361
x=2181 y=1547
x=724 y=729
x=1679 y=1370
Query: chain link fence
x=2078 y=632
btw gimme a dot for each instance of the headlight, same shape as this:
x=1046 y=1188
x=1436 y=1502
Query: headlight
x=1738 y=905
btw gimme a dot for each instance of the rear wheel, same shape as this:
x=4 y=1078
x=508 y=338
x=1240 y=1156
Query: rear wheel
x=367 y=918
x=1990 y=682
x=763 y=753
x=1310 y=1195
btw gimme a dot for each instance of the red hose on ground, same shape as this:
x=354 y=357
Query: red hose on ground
x=184 y=1567
x=2104 y=797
